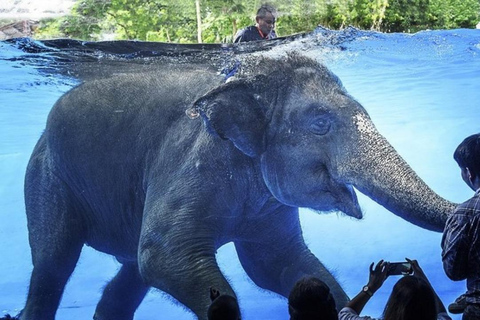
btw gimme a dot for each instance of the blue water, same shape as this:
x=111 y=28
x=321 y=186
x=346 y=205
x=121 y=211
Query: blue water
x=422 y=91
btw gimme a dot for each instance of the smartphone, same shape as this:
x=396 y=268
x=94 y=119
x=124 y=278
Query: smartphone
x=399 y=268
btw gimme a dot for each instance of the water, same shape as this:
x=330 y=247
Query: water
x=421 y=91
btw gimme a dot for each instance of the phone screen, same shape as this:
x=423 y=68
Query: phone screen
x=399 y=268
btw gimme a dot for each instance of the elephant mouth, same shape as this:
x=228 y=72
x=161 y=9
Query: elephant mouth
x=349 y=204
x=342 y=196
x=345 y=200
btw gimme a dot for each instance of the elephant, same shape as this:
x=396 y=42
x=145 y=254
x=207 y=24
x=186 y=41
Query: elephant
x=159 y=169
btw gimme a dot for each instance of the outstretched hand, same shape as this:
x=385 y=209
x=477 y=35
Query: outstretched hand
x=417 y=271
x=378 y=275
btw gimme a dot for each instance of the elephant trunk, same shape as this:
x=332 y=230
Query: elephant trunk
x=376 y=169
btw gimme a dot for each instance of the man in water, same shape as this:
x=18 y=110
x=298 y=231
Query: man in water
x=263 y=29
x=461 y=237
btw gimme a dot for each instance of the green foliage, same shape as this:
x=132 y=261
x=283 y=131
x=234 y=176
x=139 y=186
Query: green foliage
x=176 y=20
x=406 y=15
x=342 y=13
x=449 y=14
x=87 y=21
x=222 y=18
x=297 y=16
x=48 y=28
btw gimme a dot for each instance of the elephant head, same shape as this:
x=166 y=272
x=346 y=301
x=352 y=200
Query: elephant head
x=314 y=142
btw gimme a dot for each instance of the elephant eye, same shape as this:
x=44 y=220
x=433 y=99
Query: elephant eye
x=320 y=125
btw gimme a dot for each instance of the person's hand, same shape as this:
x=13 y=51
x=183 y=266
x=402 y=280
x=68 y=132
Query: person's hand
x=417 y=271
x=378 y=275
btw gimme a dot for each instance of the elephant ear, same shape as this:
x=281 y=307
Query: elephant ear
x=234 y=111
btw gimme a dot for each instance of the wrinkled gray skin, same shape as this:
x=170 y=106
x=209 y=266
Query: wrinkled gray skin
x=122 y=168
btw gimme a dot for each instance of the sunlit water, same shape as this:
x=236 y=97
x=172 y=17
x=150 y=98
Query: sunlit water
x=422 y=92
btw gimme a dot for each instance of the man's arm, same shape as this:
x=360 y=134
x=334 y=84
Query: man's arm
x=238 y=36
x=455 y=246
x=377 y=277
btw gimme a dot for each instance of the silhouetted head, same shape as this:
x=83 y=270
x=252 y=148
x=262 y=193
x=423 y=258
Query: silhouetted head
x=467 y=156
x=412 y=298
x=223 y=307
x=310 y=299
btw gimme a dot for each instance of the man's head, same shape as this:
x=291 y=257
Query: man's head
x=310 y=299
x=467 y=156
x=266 y=17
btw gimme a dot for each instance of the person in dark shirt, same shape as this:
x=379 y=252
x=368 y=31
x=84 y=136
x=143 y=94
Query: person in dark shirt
x=461 y=237
x=263 y=29
x=310 y=299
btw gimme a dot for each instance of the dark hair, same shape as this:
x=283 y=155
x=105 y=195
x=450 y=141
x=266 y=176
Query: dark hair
x=224 y=307
x=467 y=154
x=264 y=9
x=310 y=299
x=412 y=298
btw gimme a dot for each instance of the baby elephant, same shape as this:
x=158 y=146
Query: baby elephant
x=161 y=169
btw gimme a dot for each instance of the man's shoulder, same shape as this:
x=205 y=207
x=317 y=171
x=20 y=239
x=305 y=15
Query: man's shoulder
x=467 y=212
x=249 y=33
x=472 y=205
x=249 y=29
x=245 y=30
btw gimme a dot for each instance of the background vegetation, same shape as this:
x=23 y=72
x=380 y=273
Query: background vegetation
x=215 y=21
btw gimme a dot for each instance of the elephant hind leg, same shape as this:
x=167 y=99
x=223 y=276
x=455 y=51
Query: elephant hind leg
x=52 y=267
x=122 y=295
x=56 y=239
x=47 y=282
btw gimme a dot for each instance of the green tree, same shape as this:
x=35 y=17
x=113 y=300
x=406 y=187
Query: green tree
x=449 y=14
x=176 y=20
x=174 y=23
x=406 y=15
x=86 y=21
x=340 y=14
x=222 y=19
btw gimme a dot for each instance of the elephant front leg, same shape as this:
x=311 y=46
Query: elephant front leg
x=122 y=295
x=276 y=256
x=182 y=264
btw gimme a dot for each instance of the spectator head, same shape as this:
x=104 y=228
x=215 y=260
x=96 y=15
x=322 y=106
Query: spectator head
x=467 y=156
x=412 y=298
x=266 y=18
x=223 y=307
x=310 y=299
